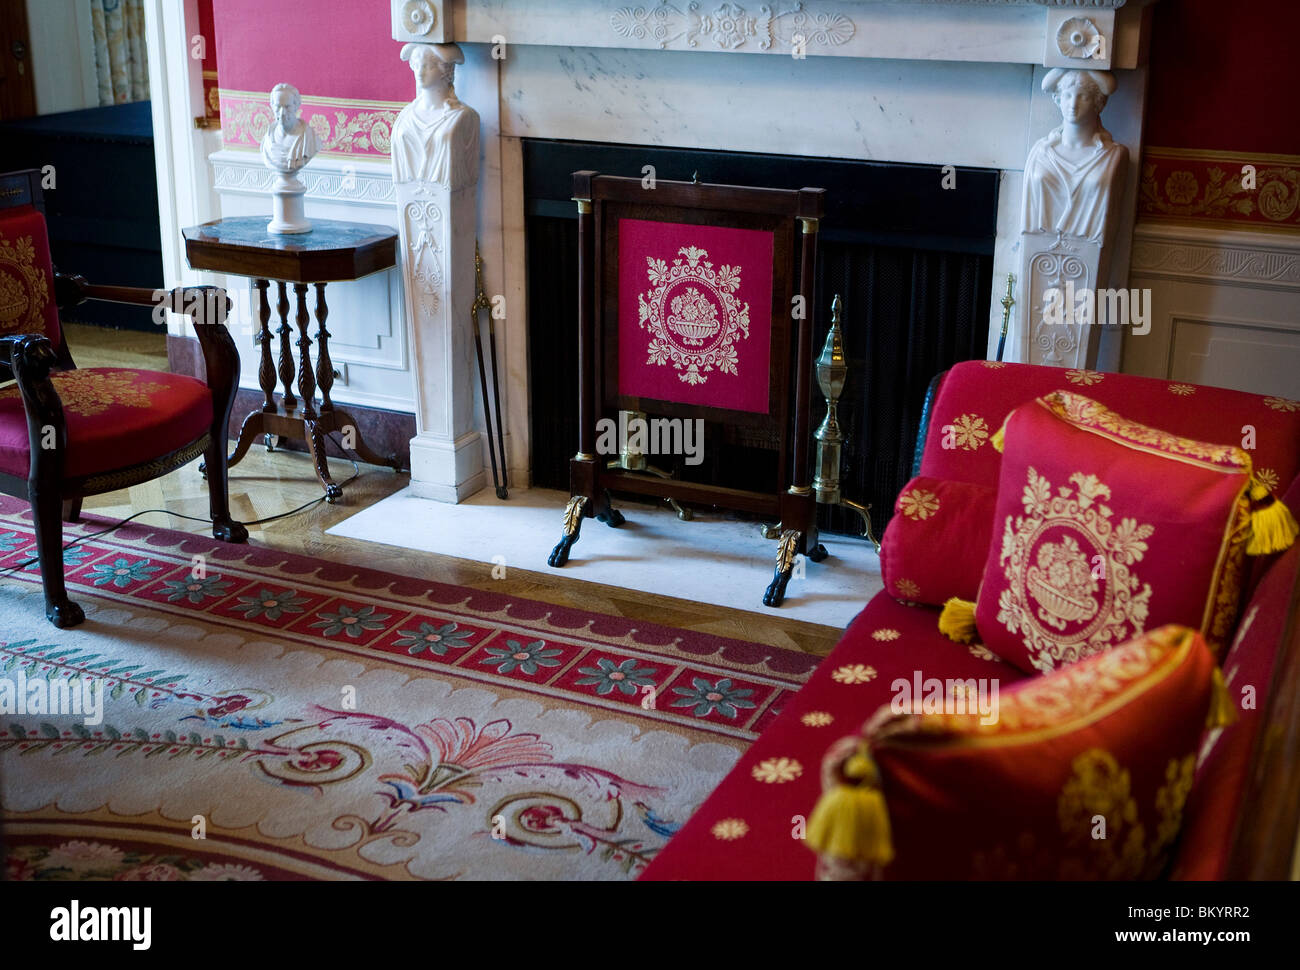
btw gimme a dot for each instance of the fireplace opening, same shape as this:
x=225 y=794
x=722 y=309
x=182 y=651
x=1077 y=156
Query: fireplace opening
x=909 y=249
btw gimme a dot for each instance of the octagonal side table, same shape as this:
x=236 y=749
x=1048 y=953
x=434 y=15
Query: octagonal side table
x=334 y=251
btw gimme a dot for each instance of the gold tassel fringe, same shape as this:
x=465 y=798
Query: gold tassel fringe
x=957 y=621
x=850 y=821
x=1222 y=711
x=1272 y=528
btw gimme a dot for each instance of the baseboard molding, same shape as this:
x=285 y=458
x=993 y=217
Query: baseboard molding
x=387 y=432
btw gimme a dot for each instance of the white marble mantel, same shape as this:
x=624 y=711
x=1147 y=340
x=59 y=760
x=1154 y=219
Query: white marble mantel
x=941 y=82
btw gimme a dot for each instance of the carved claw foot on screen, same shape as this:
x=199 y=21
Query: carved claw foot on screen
x=785 y=556
x=572 y=527
x=611 y=516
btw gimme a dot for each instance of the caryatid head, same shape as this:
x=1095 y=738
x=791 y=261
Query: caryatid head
x=1080 y=94
x=434 y=67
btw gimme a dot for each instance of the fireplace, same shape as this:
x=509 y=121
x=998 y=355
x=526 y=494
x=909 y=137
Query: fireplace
x=882 y=103
x=912 y=261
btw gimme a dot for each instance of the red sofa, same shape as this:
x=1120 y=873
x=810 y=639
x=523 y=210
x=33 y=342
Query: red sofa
x=1240 y=819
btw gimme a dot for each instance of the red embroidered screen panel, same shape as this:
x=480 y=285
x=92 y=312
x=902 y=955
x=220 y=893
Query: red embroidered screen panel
x=695 y=314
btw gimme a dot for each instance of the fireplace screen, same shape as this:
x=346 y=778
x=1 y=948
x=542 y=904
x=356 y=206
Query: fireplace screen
x=694 y=314
x=912 y=262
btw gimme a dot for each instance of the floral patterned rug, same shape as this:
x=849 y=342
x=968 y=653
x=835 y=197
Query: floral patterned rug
x=316 y=720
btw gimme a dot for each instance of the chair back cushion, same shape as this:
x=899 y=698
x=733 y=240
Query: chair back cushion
x=26 y=275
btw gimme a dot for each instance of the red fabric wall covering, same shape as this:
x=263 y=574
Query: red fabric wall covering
x=1221 y=97
x=211 y=96
x=325 y=48
x=339 y=54
x=1223 y=76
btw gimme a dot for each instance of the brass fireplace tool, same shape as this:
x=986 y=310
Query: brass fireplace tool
x=831 y=373
x=632 y=460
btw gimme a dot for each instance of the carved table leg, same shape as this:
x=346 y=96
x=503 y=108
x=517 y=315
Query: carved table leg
x=316 y=445
x=572 y=527
x=266 y=373
x=786 y=550
x=286 y=355
x=253 y=425
x=306 y=379
x=324 y=366
x=343 y=420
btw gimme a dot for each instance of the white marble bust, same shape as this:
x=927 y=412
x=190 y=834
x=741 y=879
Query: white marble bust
x=436 y=137
x=290 y=143
x=1074 y=174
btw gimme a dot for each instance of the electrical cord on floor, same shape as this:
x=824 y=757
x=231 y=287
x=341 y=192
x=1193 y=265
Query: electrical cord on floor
x=356 y=473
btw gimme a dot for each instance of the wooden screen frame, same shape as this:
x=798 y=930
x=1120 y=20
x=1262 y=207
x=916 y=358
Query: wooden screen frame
x=793 y=217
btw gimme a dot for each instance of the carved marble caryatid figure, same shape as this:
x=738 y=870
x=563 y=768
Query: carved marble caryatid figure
x=435 y=137
x=1072 y=172
x=289 y=145
x=435 y=151
x=1074 y=179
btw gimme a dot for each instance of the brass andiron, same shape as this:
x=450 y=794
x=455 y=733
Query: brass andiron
x=1008 y=302
x=634 y=461
x=831 y=373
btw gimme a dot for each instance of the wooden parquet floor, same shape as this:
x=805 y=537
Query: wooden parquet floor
x=266 y=484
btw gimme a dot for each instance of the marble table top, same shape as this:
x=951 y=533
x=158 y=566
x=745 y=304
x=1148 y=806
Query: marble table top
x=332 y=250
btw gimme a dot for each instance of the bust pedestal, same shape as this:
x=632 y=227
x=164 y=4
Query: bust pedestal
x=288 y=214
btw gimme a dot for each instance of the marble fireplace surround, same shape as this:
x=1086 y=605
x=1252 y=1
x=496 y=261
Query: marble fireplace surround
x=932 y=82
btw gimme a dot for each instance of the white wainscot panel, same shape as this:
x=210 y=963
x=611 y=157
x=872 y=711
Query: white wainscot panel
x=365 y=319
x=1223 y=308
x=1249 y=356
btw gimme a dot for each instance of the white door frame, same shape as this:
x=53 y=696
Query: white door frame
x=185 y=193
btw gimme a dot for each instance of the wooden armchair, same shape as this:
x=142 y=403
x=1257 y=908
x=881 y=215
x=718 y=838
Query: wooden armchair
x=67 y=433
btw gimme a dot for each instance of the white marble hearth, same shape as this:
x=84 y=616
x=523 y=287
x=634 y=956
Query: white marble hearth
x=713 y=559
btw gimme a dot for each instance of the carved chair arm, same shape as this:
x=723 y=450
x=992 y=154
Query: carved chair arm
x=209 y=302
x=29 y=359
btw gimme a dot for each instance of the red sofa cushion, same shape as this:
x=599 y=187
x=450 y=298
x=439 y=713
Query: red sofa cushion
x=751 y=826
x=26 y=275
x=116 y=417
x=1021 y=788
x=974 y=398
x=1106 y=527
x=935 y=545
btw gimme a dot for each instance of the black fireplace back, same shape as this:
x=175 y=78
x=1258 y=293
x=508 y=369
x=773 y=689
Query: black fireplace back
x=909 y=249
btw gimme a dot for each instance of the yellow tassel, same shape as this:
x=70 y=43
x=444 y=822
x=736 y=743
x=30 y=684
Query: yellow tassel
x=850 y=821
x=1258 y=490
x=1272 y=529
x=999 y=439
x=1222 y=711
x=957 y=621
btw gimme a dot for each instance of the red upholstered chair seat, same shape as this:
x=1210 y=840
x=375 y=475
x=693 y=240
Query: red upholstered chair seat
x=116 y=417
